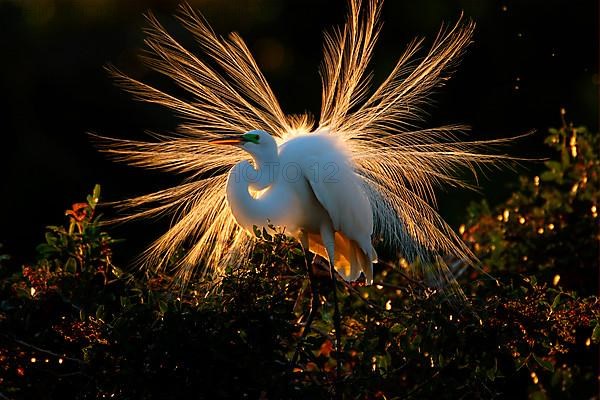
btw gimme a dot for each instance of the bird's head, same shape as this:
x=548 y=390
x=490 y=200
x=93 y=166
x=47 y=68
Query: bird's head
x=258 y=143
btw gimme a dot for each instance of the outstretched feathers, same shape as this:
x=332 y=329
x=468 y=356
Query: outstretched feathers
x=399 y=163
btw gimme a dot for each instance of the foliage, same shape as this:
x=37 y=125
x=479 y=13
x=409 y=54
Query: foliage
x=549 y=226
x=73 y=325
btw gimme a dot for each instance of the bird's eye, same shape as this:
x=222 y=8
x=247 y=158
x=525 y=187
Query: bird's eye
x=256 y=137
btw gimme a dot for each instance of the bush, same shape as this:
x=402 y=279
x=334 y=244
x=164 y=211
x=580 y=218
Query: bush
x=73 y=325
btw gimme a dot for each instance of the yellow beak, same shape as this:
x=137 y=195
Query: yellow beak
x=225 y=141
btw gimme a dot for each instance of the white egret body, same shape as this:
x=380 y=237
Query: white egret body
x=308 y=186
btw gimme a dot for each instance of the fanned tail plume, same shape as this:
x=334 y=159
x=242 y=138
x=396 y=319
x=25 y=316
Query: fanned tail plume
x=400 y=163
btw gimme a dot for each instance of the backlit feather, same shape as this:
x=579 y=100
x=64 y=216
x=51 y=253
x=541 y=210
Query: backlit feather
x=400 y=164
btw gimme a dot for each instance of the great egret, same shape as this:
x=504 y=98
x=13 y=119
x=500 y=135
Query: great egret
x=386 y=166
x=307 y=185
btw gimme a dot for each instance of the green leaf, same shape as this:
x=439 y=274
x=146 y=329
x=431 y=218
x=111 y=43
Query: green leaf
x=94 y=197
x=441 y=360
x=71 y=265
x=493 y=372
x=532 y=280
x=396 y=328
x=553 y=166
x=556 y=302
x=417 y=340
x=163 y=306
x=539 y=395
x=87 y=353
x=100 y=312
x=565 y=157
x=548 y=176
x=266 y=235
x=117 y=271
x=96 y=191
x=45 y=250
x=547 y=365
x=383 y=363
x=596 y=333
x=50 y=238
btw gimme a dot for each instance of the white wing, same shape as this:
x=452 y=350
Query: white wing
x=327 y=168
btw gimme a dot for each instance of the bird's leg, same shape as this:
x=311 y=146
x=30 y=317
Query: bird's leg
x=314 y=294
x=314 y=290
x=328 y=238
x=336 y=320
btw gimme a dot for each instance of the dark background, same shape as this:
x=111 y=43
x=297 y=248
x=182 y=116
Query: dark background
x=529 y=59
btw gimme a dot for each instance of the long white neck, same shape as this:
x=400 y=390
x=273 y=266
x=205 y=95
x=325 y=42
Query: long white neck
x=247 y=210
x=264 y=173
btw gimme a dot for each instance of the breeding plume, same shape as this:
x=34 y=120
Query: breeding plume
x=365 y=171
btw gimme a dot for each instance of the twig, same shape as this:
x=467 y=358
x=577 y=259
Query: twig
x=46 y=351
x=419 y=386
x=358 y=294
x=4 y=397
x=404 y=275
